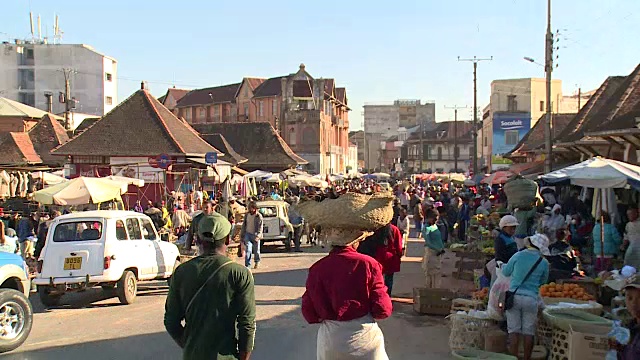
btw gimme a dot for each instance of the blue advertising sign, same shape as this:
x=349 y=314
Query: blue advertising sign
x=211 y=158
x=508 y=130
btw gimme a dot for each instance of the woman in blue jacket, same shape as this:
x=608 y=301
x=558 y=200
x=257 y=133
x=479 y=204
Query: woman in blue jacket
x=612 y=241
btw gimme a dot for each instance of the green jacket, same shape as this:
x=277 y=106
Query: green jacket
x=210 y=326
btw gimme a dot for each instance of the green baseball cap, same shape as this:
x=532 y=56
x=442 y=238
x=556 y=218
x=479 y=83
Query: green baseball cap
x=214 y=227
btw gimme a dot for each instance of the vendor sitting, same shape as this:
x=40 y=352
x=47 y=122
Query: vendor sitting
x=631 y=351
x=505 y=244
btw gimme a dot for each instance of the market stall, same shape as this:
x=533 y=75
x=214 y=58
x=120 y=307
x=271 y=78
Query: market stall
x=80 y=191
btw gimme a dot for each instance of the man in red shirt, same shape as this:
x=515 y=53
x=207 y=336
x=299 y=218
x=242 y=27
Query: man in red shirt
x=389 y=255
x=345 y=293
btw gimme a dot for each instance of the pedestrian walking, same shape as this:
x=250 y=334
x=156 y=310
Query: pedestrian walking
x=404 y=227
x=27 y=234
x=433 y=248
x=43 y=231
x=251 y=235
x=192 y=235
x=297 y=222
x=215 y=299
x=345 y=294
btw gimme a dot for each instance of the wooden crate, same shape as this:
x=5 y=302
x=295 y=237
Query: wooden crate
x=432 y=301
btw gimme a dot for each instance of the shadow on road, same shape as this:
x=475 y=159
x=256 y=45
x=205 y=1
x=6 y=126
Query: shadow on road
x=295 y=278
x=147 y=346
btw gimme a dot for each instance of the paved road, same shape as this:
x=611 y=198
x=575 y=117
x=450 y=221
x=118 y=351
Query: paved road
x=88 y=326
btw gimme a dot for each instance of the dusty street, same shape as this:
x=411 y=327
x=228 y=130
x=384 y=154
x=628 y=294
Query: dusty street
x=88 y=326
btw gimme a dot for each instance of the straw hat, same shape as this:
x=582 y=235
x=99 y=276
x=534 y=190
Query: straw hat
x=344 y=237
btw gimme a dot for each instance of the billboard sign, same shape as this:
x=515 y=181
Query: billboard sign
x=508 y=130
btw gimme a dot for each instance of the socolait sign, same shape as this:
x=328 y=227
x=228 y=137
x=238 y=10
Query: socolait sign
x=511 y=124
x=508 y=130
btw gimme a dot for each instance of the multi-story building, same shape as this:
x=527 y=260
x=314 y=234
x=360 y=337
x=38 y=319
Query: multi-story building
x=357 y=138
x=382 y=121
x=310 y=114
x=29 y=69
x=515 y=107
x=441 y=148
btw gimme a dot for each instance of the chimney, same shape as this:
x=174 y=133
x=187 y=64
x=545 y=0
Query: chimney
x=142 y=86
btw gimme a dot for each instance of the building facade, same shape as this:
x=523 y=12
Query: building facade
x=28 y=70
x=310 y=114
x=382 y=121
x=357 y=138
x=440 y=148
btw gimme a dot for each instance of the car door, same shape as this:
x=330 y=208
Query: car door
x=140 y=252
x=158 y=263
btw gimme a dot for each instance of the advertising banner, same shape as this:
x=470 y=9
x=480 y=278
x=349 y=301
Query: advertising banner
x=508 y=130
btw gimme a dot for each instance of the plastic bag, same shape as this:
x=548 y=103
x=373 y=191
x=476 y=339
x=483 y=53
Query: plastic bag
x=500 y=286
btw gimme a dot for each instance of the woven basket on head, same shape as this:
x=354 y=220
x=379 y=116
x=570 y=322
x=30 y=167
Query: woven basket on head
x=343 y=237
x=351 y=211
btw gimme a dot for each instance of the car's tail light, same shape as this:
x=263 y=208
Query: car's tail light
x=107 y=262
x=39 y=266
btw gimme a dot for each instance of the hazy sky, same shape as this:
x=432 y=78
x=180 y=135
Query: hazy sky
x=378 y=50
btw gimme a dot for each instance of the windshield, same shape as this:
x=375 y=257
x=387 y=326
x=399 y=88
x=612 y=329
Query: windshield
x=268 y=211
x=78 y=231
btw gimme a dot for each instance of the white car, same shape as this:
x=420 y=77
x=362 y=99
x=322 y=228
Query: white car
x=275 y=220
x=109 y=248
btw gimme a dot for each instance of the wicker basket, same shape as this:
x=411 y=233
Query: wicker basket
x=544 y=333
x=350 y=211
x=563 y=319
x=521 y=192
x=560 y=345
x=467 y=332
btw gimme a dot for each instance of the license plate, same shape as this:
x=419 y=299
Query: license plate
x=265 y=229
x=73 y=263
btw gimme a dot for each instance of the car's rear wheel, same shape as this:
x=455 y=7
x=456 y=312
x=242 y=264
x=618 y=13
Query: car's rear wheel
x=127 y=288
x=16 y=319
x=47 y=298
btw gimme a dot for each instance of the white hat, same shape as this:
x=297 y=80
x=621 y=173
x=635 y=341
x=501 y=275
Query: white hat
x=508 y=220
x=556 y=207
x=541 y=242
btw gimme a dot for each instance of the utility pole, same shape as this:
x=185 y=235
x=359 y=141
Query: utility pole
x=68 y=102
x=579 y=98
x=548 y=67
x=475 y=61
x=421 y=146
x=455 y=134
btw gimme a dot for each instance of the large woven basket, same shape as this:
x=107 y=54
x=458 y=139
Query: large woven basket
x=350 y=211
x=521 y=192
x=467 y=332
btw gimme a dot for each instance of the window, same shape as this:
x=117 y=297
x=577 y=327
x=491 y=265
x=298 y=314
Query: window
x=147 y=230
x=107 y=76
x=246 y=110
x=202 y=114
x=121 y=231
x=108 y=100
x=511 y=137
x=486 y=141
x=187 y=114
x=439 y=153
x=274 y=107
x=268 y=211
x=292 y=136
x=512 y=104
x=29 y=53
x=542 y=105
x=456 y=152
x=260 y=108
x=78 y=231
x=31 y=75
x=133 y=228
x=216 y=113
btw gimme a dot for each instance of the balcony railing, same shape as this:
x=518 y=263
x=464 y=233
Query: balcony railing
x=430 y=157
x=303 y=116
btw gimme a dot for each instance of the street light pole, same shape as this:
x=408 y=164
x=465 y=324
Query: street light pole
x=475 y=61
x=455 y=134
x=548 y=67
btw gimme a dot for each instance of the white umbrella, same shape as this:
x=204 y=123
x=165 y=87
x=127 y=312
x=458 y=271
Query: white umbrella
x=305 y=180
x=49 y=178
x=79 y=191
x=258 y=174
x=381 y=175
x=126 y=180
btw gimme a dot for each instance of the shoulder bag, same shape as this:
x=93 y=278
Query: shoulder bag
x=205 y=284
x=509 y=295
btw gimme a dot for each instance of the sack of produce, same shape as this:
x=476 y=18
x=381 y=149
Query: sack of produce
x=521 y=192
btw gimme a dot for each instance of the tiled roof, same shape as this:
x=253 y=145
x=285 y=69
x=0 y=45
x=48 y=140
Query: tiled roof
x=177 y=94
x=258 y=142
x=219 y=142
x=254 y=82
x=219 y=94
x=139 y=126
x=618 y=111
x=534 y=139
x=341 y=95
x=270 y=87
x=443 y=131
x=85 y=124
x=574 y=131
x=17 y=149
x=45 y=136
x=10 y=108
x=302 y=88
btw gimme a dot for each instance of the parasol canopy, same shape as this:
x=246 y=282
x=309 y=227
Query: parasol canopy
x=79 y=191
x=498 y=177
x=49 y=178
x=126 y=180
x=599 y=173
x=305 y=180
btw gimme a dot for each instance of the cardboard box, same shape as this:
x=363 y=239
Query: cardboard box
x=589 y=342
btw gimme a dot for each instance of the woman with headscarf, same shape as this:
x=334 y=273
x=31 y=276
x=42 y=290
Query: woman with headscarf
x=554 y=222
x=528 y=270
x=605 y=250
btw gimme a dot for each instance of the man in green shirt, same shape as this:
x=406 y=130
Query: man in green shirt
x=433 y=248
x=215 y=297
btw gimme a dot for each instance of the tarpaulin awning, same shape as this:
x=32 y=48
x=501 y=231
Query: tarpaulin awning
x=80 y=191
